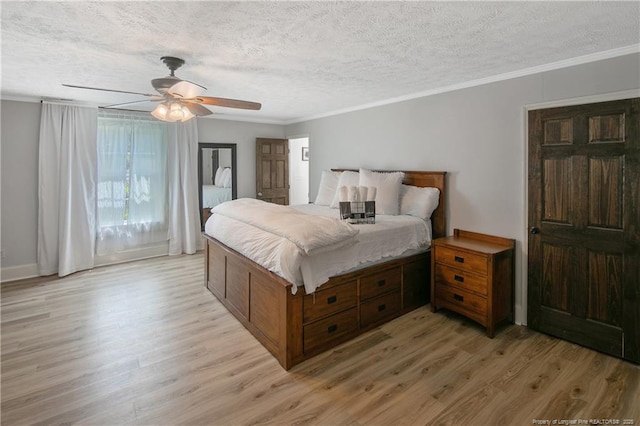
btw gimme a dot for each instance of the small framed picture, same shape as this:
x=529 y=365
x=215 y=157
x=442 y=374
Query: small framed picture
x=305 y=153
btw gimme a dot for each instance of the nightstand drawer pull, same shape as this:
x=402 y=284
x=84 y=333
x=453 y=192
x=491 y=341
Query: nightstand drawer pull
x=458 y=278
x=382 y=307
x=332 y=299
x=332 y=328
x=458 y=297
x=459 y=259
x=381 y=283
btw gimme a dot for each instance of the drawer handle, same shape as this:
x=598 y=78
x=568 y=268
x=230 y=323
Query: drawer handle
x=458 y=297
x=458 y=259
x=382 y=308
x=381 y=283
x=332 y=299
x=458 y=278
x=332 y=328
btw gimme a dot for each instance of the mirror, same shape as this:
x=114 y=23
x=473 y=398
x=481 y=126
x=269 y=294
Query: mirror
x=217 y=178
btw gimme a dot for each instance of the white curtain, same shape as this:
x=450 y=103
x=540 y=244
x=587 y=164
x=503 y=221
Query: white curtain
x=184 y=219
x=132 y=183
x=66 y=189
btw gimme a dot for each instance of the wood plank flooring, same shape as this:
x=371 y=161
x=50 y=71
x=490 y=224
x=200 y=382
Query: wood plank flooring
x=145 y=343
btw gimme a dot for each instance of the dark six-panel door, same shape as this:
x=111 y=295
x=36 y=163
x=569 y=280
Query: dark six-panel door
x=584 y=219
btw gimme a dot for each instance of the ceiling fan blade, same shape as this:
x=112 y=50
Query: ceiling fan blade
x=228 y=103
x=107 y=90
x=197 y=109
x=186 y=89
x=153 y=99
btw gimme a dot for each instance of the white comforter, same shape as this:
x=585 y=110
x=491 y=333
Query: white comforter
x=214 y=195
x=391 y=236
x=311 y=234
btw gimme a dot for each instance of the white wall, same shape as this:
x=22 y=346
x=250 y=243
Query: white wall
x=20 y=129
x=298 y=172
x=477 y=135
x=244 y=135
x=20 y=126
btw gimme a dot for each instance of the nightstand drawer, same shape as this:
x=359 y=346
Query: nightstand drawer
x=463 y=260
x=453 y=298
x=380 y=283
x=460 y=278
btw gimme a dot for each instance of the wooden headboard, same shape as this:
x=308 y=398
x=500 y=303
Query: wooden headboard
x=426 y=179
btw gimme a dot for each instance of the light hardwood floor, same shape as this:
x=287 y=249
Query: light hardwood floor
x=145 y=343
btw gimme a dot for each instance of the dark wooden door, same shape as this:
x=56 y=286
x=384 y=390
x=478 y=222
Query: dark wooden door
x=584 y=219
x=272 y=170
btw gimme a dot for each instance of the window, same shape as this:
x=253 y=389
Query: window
x=132 y=182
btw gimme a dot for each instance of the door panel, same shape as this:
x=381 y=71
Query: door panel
x=605 y=194
x=272 y=170
x=584 y=196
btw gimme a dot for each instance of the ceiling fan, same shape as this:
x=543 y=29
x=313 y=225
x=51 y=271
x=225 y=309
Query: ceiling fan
x=180 y=100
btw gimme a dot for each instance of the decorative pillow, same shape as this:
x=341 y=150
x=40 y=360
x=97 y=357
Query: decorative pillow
x=225 y=180
x=387 y=186
x=347 y=178
x=371 y=193
x=328 y=187
x=217 y=180
x=419 y=202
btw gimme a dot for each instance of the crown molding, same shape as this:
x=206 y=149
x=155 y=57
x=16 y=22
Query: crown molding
x=579 y=60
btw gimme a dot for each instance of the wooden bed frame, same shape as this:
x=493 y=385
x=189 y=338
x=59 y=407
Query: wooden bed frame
x=296 y=327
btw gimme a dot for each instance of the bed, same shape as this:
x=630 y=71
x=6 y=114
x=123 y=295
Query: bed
x=213 y=195
x=295 y=323
x=218 y=193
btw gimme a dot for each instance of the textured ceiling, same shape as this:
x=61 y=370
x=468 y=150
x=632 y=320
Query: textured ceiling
x=299 y=59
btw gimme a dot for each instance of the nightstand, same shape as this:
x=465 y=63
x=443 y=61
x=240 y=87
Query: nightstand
x=473 y=274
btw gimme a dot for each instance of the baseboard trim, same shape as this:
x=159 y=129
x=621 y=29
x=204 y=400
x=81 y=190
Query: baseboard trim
x=22 y=272
x=131 y=255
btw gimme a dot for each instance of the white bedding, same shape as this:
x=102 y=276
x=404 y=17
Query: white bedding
x=213 y=195
x=390 y=236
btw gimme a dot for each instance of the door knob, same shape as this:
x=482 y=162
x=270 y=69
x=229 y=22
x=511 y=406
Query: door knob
x=259 y=194
x=534 y=230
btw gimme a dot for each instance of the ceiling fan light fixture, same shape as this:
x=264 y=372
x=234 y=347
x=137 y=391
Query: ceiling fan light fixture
x=186 y=114
x=160 y=112
x=171 y=112
x=175 y=111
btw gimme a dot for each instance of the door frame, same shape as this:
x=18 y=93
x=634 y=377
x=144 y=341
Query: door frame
x=521 y=316
x=304 y=136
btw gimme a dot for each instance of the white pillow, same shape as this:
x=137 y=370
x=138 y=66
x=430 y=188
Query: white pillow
x=388 y=186
x=225 y=180
x=217 y=180
x=347 y=178
x=328 y=187
x=419 y=202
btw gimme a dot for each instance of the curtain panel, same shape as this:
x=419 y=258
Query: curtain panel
x=184 y=219
x=66 y=189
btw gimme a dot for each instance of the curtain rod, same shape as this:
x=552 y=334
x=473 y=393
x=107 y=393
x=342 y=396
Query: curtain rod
x=67 y=102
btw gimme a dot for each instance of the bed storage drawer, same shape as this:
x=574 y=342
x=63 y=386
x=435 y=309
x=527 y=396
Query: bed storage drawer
x=380 y=283
x=379 y=309
x=329 y=329
x=329 y=301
